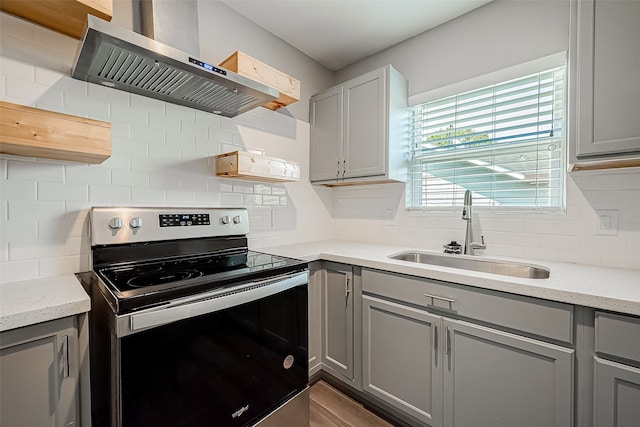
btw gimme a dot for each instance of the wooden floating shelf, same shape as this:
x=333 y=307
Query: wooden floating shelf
x=65 y=16
x=247 y=66
x=240 y=164
x=32 y=132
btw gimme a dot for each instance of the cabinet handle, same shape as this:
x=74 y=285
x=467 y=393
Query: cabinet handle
x=448 y=350
x=65 y=356
x=344 y=167
x=347 y=291
x=338 y=170
x=449 y=300
x=435 y=338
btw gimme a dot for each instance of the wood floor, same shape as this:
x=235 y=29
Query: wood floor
x=330 y=408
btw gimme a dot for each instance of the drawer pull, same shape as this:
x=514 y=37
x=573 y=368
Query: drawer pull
x=449 y=300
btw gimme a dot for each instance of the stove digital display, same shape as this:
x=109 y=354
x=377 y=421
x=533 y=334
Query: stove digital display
x=183 y=220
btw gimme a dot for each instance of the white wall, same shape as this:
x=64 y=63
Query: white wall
x=495 y=36
x=161 y=155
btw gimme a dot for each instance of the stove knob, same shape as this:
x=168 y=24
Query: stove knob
x=115 y=223
x=225 y=219
x=135 y=223
x=237 y=219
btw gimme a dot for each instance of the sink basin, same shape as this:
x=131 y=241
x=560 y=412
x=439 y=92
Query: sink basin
x=504 y=268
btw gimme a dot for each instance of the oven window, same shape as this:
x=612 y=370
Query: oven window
x=227 y=368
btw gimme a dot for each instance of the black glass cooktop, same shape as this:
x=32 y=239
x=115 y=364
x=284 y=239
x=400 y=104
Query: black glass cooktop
x=137 y=284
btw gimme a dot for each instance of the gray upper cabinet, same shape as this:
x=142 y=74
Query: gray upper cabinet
x=359 y=129
x=340 y=300
x=617 y=370
x=604 y=80
x=39 y=375
x=492 y=375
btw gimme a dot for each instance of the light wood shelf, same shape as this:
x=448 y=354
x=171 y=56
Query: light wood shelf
x=65 y=16
x=32 y=132
x=240 y=164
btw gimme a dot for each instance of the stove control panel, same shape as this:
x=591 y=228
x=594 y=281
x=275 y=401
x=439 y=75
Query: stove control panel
x=183 y=220
x=116 y=225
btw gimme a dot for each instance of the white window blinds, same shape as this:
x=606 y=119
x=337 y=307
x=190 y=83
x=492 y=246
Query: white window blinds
x=505 y=143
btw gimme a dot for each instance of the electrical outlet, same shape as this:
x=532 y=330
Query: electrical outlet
x=607 y=222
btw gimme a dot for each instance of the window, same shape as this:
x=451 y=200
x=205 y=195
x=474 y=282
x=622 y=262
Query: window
x=505 y=143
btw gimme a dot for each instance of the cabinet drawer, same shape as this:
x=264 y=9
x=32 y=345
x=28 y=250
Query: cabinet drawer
x=533 y=316
x=618 y=335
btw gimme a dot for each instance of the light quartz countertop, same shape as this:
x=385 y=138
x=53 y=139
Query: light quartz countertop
x=28 y=302
x=598 y=287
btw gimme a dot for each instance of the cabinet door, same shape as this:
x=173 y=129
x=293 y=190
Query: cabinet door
x=617 y=394
x=337 y=319
x=39 y=374
x=365 y=125
x=401 y=362
x=608 y=93
x=315 y=317
x=326 y=158
x=497 y=378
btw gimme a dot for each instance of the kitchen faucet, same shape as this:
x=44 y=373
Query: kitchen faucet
x=469 y=244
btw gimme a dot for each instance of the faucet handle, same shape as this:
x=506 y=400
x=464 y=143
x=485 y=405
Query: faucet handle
x=477 y=245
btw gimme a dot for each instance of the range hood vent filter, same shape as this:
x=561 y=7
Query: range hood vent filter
x=114 y=57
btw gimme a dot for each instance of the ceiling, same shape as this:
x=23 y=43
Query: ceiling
x=337 y=33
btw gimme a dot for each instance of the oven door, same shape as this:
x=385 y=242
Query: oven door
x=229 y=367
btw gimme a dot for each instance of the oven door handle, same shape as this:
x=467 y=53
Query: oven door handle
x=207 y=303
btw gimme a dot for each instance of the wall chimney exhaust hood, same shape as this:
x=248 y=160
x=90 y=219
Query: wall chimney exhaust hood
x=121 y=59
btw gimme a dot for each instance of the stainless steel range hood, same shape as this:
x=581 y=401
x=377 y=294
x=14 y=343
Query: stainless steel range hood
x=116 y=57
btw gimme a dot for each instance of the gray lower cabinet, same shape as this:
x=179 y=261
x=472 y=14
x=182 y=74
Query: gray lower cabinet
x=401 y=363
x=493 y=377
x=339 y=293
x=39 y=375
x=315 y=317
x=447 y=355
x=616 y=370
x=617 y=394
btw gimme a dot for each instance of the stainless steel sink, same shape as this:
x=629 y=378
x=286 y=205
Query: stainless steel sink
x=504 y=268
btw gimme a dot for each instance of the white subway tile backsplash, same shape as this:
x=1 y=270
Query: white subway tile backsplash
x=110 y=194
x=226 y=188
x=164 y=122
x=34 y=249
x=230 y=200
x=167 y=182
x=117 y=161
x=62 y=191
x=121 y=112
x=127 y=178
x=180 y=197
x=63 y=265
x=149 y=105
x=271 y=200
x=193 y=183
x=83 y=106
x=208 y=119
x=89 y=174
x=181 y=113
x=252 y=199
x=147 y=195
x=17 y=69
x=35 y=171
x=171 y=153
x=147 y=134
x=208 y=198
x=18 y=190
x=144 y=163
x=14 y=271
x=25 y=90
x=39 y=209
